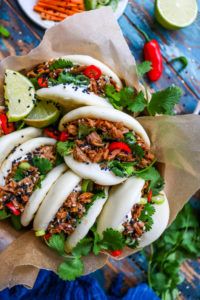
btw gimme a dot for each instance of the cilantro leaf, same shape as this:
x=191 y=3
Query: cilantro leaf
x=16 y=222
x=138 y=151
x=60 y=64
x=131 y=243
x=96 y=239
x=138 y=104
x=19 y=174
x=35 y=82
x=152 y=175
x=65 y=148
x=144 y=68
x=98 y=195
x=71 y=268
x=4 y=31
x=130 y=139
x=113 y=96
x=83 y=248
x=57 y=243
x=146 y=216
x=121 y=169
x=112 y=240
x=43 y=164
x=4 y=215
x=68 y=78
x=84 y=130
x=163 y=102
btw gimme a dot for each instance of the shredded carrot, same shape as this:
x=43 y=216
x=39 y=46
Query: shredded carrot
x=57 y=10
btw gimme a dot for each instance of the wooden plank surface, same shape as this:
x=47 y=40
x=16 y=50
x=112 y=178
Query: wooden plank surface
x=25 y=35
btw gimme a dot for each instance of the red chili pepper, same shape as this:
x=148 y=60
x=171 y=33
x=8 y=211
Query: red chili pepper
x=116 y=253
x=42 y=82
x=149 y=196
x=52 y=133
x=15 y=211
x=5 y=125
x=119 y=145
x=63 y=136
x=47 y=236
x=153 y=54
x=92 y=72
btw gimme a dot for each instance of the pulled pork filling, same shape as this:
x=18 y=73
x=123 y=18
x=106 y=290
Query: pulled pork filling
x=71 y=74
x=94 y=140
x=72 y=210
x=21 y=182
x=134 y=228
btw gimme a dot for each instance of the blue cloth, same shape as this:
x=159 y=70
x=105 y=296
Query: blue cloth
x=49 y=286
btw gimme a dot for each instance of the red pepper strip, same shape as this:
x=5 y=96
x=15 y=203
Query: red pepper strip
x=92 y=72
x=42 y=82
x=5 y=125
x=119 y=145
x=54 y=134
x=15 y=211
x=116 y=253
x=149 y=196
x=153 y=54
x=63 y=136
x=47 y=236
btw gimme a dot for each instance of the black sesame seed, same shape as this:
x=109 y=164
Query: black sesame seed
x=19 y=100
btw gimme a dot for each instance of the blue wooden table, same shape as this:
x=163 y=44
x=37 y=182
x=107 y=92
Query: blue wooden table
x=25 y=35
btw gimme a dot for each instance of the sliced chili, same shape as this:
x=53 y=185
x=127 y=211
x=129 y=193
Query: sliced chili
x=149 y=196
x=42 y=82
x=63 y=136
x=52 y=133
x=47 y=236
x=116 y=253
x=92 y=72
x=14 y=210
x=119 y=145
x=5 y=125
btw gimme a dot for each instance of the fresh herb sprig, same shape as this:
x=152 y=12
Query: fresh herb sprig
x=180 y=241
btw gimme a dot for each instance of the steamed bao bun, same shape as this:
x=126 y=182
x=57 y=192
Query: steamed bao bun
x=93 y=171
x=69 y=98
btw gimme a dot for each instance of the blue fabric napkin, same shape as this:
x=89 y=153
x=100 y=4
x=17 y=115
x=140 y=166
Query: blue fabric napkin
x=49 y=286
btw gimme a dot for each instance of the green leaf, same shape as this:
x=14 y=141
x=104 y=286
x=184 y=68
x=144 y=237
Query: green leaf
x=16 y=222
x=163 y=102
x=57 y=243
x=144 y=68
x=113 y=96
x=4 y=31
x=66 y=77
x=83 y=248
x=71 y=268
x=112 y=240
x=43 y=164
x=65 y=148
x=121 y=169
x=98 y=195
x=138 y=151
x=138 y=104
x=152 y=175
x=182 y=60
x=4 y=215
x=19 y=174
x=146 y=216
x=96 y=239
x=35 y=82
x=60 y=64
x=130 y=139
x=84 y=130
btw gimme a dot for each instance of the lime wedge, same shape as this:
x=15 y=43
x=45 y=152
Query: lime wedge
x=19 y=95
x=42 y=115
x=176 y=14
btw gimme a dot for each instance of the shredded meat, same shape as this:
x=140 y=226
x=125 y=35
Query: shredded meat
x=79 y=155
x=78 y=69
x=93 y=87
x=72 y=129
x=48 y=152
x=71 y=211
x=134 y=228
x=94 y=139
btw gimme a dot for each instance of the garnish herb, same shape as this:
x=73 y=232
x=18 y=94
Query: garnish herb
x=60 y=64
x=3 y=214
x=65 y=148
x=144 y=68
x=146 y=216
x=43 y=164
x=179 y=242
x=4 y=31
x=66 y=77
x=121 y=169
x=16 y=222
x=152 y=175
x=84 y=130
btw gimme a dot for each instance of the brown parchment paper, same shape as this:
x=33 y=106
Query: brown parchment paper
x=175 y=140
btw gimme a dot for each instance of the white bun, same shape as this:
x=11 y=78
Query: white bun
x=160 y=221
x=70 y=98
x=121 y=200
x=39 y=194
x=10 y=141
x=92 y=170
x=86 y=223
x=21 y=152
x=54 y=199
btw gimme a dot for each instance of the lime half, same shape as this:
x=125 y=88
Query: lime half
x=176 y=14
x=42 y=115
x=19 y=95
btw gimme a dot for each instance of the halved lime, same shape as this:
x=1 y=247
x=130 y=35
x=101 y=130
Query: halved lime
x=176 y=14
x=19 y=95
x=42 y=115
